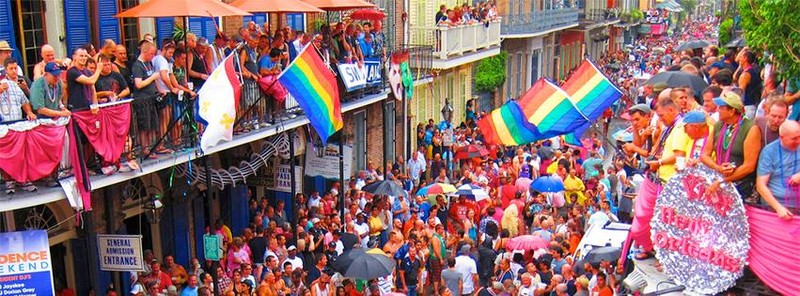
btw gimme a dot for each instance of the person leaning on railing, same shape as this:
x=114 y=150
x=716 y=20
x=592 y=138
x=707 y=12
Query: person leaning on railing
x=13 y=103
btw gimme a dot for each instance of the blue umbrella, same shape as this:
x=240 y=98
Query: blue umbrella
x=548 y=184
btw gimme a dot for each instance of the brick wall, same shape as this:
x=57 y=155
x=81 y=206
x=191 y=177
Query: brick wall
x=375 y=135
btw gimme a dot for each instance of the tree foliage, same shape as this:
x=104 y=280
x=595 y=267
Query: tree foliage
x=725 y=31
x=491 y=73
x=773 y=25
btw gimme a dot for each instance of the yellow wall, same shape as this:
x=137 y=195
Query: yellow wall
x=428 y=99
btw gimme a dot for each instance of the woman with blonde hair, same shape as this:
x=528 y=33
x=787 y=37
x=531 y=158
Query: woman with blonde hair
x=510 y=220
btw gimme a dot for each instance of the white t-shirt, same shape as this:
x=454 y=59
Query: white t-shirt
x=361 y=229
x=467 y=267
x=160 y=63
x=314 y=201
x=297 y=262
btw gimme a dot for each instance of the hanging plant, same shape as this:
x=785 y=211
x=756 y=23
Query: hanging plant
x=177 y=33
x=491 y=73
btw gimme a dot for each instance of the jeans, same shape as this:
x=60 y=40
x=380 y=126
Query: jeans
x=412 y=290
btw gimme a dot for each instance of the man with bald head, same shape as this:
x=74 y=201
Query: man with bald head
x=778 y=174
x=122 y=64
x=48 y=55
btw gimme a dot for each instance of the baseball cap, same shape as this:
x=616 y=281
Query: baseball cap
x=641 y=108
x=730 y=99
x=136 y=289
x=695 y=116
x=291 y=248
x=52 y=69
x=718 y=65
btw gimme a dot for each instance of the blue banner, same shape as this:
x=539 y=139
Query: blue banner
x=25 y=265
x=373 y=66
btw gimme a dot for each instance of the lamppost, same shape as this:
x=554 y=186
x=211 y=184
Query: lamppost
x=447 y=134
x=153 y=209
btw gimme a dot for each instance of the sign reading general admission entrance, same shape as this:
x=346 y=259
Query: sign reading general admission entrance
x=701 y=238
x=120 y=252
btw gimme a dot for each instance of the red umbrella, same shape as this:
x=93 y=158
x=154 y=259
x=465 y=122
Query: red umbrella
x=168 y=8
x=368 y=14
x=527 y=242
x=471 y=151
x=283 y=6
x=523 y=184
x=339 y=5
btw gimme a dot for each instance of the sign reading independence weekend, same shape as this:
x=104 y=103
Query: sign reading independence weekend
x=328 y=165
x=25 y=265
x=120 y=252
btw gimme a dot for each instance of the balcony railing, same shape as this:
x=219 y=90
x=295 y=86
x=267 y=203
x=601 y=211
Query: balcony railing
x=449 y=41
x=599 y=15
x=538 y=21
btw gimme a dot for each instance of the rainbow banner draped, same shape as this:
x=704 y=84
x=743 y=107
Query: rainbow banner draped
x=508 y=125
x=550 y=109
x=314 y=87
x=592 y=93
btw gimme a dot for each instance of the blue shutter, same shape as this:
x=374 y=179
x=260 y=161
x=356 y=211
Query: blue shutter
x=203 y=27
x=76 y=18
x=7 y=27
x=108 y=24
x=296 y=21
x=164 y=27
x=259 y=18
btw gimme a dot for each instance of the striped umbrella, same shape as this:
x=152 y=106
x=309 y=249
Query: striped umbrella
x=472 y=191
x=437 y=188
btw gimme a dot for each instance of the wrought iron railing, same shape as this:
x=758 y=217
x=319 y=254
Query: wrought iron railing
x=538 y=21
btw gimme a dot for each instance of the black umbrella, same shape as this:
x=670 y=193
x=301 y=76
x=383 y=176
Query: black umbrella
x=678 y=79
x=693 y=45
x=384 y=187
x=736 y=43
x=613 y=67
x=364 y=264
x=597 y=255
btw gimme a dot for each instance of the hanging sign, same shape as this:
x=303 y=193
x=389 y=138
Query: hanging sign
x=25 y=265
x=120 y=252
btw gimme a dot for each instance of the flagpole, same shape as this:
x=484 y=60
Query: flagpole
x=341 y=175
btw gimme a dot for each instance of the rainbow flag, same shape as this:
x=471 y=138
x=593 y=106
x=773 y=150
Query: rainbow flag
x=550 y=109
x=508 y=126
x=590 y=90
x=592 y=93
x=314 y=87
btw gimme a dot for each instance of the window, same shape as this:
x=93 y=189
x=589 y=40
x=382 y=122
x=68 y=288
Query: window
x=535 y=65
x=130 y=26
x=296 y=21
x=31 y=35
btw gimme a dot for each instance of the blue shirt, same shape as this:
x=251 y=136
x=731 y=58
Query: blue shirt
x=189 y=291
x=780 y=164
x=266 y=63
x=424 y=211
x=366 y=48
x=793 y=86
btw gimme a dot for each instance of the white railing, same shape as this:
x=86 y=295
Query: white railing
x=449 y=41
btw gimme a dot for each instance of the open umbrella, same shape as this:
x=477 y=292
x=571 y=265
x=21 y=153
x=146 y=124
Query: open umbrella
x=339 y=5
x=476 y=193
x=364 y=264
x=471 y=151
x=282 y=6
x=384 y=187
x=679 y=78
x=182 y=8
x=693 y=45
x=597 y=255
x=527 y=242
x=523 y=184
x=368 y=14
x=548 y=184
x=437 y=188
x=736 y=43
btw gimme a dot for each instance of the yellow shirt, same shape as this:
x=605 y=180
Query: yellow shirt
x=375 y=223
x=677 y=140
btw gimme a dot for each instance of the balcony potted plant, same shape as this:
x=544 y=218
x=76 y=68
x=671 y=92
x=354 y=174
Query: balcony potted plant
x=625 y=17
x=490 y=74
x=636 y=15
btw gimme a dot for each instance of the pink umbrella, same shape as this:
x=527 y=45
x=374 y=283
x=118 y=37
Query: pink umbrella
x=523 y=184
x=527 y=242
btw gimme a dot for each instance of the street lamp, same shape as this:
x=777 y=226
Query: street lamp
x=447 y=111
x=152 y=209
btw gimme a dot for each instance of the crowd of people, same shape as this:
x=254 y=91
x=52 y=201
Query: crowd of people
x=465 y=14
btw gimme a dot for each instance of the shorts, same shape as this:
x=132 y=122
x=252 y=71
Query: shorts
x=250 y=93
x=178 y=107
x=145 y=114
x=435 y=274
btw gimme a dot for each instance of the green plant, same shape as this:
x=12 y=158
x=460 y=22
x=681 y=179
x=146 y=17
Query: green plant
x=636 y=15
x=725 y=31
x=773 y=26
x=317 y=24
x=177 y=33
x=491 y=73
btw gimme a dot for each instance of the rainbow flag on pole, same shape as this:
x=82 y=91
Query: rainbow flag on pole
x=550 y=109
x=314 y=87
x=592 y=93
x=507 y=125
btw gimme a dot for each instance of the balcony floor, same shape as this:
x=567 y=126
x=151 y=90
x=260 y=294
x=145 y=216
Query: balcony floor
x=465 y=58
x=22 y=199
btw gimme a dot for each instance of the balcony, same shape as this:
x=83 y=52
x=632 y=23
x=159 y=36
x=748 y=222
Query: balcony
x=598 y=17
x=458 y=45
x=535 y=23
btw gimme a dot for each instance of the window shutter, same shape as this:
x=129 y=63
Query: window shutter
x=258 y=18
x=7 y=27
x=164 y=26
x=108 y=24
x=203 y=27
x=76 y=18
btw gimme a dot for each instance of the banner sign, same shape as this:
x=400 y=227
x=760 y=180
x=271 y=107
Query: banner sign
x=708 y=233
x=328 y=165
x=373 y=70
x=283 y=178
x=25 y=265
x=212 y=247
x=353 y=76
x=120 y=252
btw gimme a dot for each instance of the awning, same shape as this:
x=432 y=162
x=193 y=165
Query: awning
x=669 y=5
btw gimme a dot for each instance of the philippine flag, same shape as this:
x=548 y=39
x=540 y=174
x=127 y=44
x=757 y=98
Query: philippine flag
x=219 y=100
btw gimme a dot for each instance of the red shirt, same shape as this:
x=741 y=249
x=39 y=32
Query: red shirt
x=604 y=291
x=507 y=193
